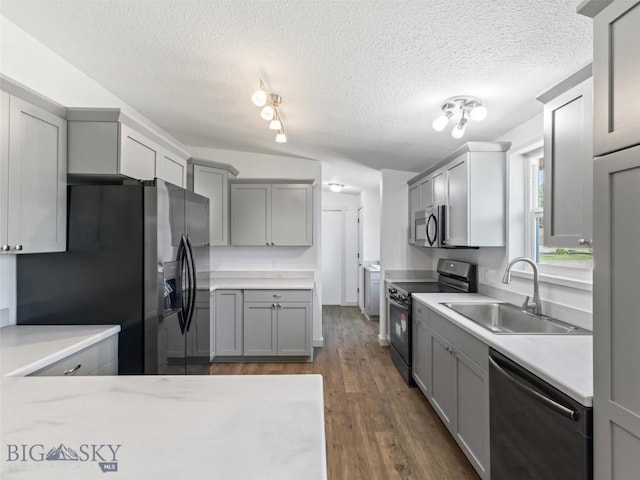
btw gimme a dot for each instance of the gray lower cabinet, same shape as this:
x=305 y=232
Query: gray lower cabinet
x=260 y=329
x=33 y=177
x=421 y=348
x=371 y=292
x=98 y=359
x=228 y=317
x=277 y=322
x=199 y=340
x=616 y=303
x=452 y=367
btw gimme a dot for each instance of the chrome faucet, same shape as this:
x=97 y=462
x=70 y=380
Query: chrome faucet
x=535 y=306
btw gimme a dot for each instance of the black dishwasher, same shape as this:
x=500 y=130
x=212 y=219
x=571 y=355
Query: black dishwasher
x=537 y=432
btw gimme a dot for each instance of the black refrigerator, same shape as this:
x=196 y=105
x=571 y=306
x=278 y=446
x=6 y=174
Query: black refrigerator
x=129 y=261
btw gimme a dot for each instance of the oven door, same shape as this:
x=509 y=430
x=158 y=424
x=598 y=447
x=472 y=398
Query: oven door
x=399 y=329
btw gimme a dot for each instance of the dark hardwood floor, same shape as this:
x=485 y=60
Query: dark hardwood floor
x=376 y=426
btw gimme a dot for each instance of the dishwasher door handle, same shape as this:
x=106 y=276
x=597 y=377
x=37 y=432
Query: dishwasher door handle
x=548 y=402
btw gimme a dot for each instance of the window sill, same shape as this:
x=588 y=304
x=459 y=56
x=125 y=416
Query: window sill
x=580 y=279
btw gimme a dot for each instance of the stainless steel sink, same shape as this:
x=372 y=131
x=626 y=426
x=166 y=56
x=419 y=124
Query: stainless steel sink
x=504 y=318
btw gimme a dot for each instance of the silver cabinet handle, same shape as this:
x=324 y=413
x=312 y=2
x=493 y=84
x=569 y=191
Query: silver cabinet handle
x=205 y=244
x=273 y=305
x=6 y=248
x=273 y=244
x=584 y=241
x=277 y=295
x=73 y=370
x=267 y=244
x=18 y=247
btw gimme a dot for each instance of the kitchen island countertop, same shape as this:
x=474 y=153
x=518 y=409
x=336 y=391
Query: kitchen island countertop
x=218 y=427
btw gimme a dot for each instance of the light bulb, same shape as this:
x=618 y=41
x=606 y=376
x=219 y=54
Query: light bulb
x=479 y=113
x=275 y=124
x=336 y=187
x=259 y=97
x=459 y=129
x=267 y=112
x=281 y=137
x=440 y=123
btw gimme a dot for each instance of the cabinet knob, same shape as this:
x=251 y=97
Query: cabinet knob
x=277 y=295
x=584 y=241
x=6 y=248
x=273 y=305
x=18 y=247
x=267 y=244
x=273 y=244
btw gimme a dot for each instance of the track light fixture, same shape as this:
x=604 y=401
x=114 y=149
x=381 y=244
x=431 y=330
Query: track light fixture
x=269 y=103
x=460 y=109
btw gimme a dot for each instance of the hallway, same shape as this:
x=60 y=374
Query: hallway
x=377 y=428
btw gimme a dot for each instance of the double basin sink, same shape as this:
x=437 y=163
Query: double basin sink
x=504 y=318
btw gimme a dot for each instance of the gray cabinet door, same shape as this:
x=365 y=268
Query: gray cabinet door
x=616 y=67
x=568 y=167
x=421 y=349
x=172 y=169
x=616 y=307
x=414 y=206
x=36 y=171
x=439 y=187
x=426 y=192
x=197 y=210
x=260 y=329
x=250 y=214
x=457 y=186
x=213 y=184
x=228 y=323
x=443 y=370
x=294 y=329
x=472 y=412
x=291 y=214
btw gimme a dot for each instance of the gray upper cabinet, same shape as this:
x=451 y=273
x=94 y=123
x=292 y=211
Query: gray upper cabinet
x=267 y=213
x=33 y=176
x=568 y=166
x=212 y=181
x=616 y=63
x=107 y=143
x=250 y=214
x=439 y=185
x=475 y=192
x=415 y=205
x=172 y=168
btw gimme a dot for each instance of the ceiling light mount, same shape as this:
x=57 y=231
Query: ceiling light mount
x=335 y=187
x=459 y=108
x=269 y=103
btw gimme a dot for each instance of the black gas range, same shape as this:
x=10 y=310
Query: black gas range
x=454 y=276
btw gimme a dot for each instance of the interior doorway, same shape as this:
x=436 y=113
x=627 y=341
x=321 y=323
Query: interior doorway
x=333 y=246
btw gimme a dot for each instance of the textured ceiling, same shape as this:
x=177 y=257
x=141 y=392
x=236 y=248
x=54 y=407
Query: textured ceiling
x=361 y=81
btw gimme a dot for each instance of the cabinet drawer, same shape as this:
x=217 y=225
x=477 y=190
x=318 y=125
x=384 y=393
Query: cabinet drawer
x=277 y=295
x=463 y=341
x=91 y=359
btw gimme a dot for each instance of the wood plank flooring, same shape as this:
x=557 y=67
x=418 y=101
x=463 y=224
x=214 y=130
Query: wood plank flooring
x=376 y=426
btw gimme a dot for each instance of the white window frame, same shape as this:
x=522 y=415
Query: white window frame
x=558 y=275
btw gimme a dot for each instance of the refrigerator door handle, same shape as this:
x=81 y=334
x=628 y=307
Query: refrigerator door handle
x=183 y=314
x=192 y=284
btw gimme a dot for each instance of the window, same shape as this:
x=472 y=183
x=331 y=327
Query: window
x=566 y=258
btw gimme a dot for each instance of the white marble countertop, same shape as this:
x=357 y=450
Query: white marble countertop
x=260 y=284
x=565 y=361
x=25 y=349
x=163 y=427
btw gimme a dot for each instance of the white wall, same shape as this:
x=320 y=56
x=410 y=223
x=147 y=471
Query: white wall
x=348 y=203
x=29 y=62
x=255 y=165
x=395 y=251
